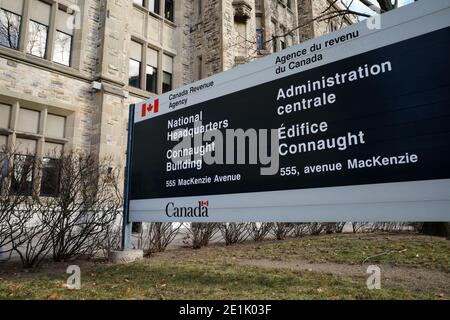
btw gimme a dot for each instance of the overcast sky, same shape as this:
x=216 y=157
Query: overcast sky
x=359 y=7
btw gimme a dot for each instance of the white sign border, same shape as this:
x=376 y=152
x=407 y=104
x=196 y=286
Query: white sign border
x=400 y=201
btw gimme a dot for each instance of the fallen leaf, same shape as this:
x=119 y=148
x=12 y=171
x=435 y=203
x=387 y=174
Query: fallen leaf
x=54 y=296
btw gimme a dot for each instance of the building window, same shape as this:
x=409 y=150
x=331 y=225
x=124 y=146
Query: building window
x=289 y=4
x=199 y=67
x=56 y=126
x=153 y=6
x=28 y=121
x=27 y=133
x=149 y=69
x=167 y=82
x=152 y=70
x=63 y=38
x=283 y=39
x=38 y=29
x=43 y=24
x=167 y=73
x=50 y=177
x=134 y=79
x=259 y=5
x=63 y=48
x=3 y=161
x=10 y=21
x=274 y=38
x=5 y=116
x=289 y=40
x=259 y=34
x=50 y=180
x=199 y=7
x=241 y=30
x=22 y=179
x=23 y=167
x=135 y=74
x=259 y=39
x=37 y=42
x=3 y=142
x=169 y=10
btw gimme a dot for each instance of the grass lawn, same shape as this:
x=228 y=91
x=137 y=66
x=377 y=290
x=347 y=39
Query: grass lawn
x=396 y=249
x=236 y=272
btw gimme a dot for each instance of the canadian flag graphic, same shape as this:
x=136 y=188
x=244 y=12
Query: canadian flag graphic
x=203 y=203
x=147 y=108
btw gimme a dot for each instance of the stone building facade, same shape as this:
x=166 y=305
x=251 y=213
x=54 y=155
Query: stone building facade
x=70 y=68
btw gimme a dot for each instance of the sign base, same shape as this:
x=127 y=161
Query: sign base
x=126 y=256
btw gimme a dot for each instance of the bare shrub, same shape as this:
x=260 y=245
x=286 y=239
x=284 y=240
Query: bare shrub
x=15 y=173
x=199 y=234
x=333 y=227
x=315 y=228
x=300 y=229
x=259 y=230
x=85 y=208
x=34 y=243
x=281 y=230
x=157 y=236
x=390 y=226
x=16 y=192
x=361 y=226
x=112 y=239
x=72 y=221
x=234 y=232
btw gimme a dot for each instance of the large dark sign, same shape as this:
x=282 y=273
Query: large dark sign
x=362 y=124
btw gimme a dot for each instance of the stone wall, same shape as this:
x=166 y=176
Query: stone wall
x=202 y=38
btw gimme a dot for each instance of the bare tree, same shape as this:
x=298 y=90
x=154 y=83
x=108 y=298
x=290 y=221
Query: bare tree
x=383 y=5
x=335 y=11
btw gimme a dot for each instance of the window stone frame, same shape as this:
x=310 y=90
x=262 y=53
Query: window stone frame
x=146 y=43
x=12 y=132
x=78 y=43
